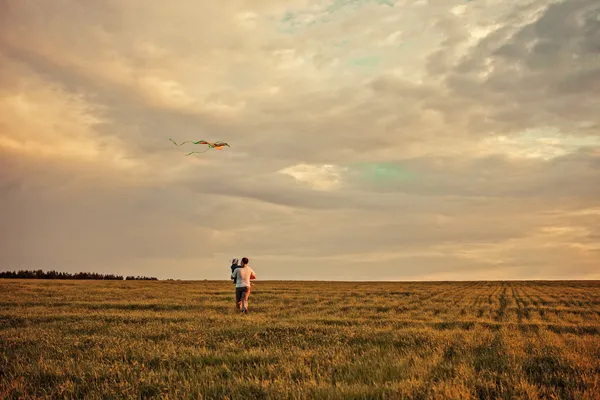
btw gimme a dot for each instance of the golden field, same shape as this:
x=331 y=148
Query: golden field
x=184 y=339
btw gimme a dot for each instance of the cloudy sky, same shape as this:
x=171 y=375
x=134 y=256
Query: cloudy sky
x=488 y=110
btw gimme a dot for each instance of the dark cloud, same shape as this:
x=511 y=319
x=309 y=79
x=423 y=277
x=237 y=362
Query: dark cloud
x=545 y=73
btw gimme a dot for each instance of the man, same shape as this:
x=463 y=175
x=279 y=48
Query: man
x=242 y=276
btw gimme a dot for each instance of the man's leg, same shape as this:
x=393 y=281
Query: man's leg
x=245 y=299
x=238 y=298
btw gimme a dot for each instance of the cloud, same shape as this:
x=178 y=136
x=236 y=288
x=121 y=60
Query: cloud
x=491 y=109
x=324 y=177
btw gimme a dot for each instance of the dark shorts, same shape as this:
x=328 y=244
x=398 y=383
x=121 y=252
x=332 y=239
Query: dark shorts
x=241 y=293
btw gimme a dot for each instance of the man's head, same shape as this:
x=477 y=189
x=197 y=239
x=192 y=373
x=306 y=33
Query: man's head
x=244 y=261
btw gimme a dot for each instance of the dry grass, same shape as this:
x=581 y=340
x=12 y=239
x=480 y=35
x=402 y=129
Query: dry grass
x=94 y=339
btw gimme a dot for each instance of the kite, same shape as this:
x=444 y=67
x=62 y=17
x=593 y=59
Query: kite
x=211 y=145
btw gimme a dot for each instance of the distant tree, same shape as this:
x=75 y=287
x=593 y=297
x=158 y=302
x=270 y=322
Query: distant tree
x=39 y=274
x=140 y=278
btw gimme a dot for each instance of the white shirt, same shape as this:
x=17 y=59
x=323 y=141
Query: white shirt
x=242 y=276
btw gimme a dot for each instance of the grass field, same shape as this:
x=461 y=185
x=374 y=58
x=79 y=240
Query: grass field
x=170 y=339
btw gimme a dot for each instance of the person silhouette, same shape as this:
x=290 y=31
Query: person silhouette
x=243 y=276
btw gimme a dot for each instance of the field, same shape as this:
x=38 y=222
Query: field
x=171 y=339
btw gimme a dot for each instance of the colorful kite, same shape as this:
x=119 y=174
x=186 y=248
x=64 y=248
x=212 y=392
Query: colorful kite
x=211 y=145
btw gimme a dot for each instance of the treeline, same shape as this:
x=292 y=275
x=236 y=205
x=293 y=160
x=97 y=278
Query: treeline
x=39 y=274
x=140 y=278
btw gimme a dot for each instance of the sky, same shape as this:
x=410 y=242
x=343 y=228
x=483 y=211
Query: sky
x=369 y=140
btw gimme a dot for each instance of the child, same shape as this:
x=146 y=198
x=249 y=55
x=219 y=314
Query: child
x=234 y=265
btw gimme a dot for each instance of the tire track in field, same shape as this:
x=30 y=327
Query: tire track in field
x=546 y=367
x=529 y=289
x=560 y=300
x=460 y=300
x=503 y=303
x=545 y=305
x=518 y=304
x=422 y=302
x=479 y=290
x=485 y=309
x=480 y=305
x=559 y=310
x=525 y=302
x=497 y=288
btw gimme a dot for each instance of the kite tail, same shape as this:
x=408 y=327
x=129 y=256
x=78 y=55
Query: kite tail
x=176 y=143
x=197 y=152
x=189 y=141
